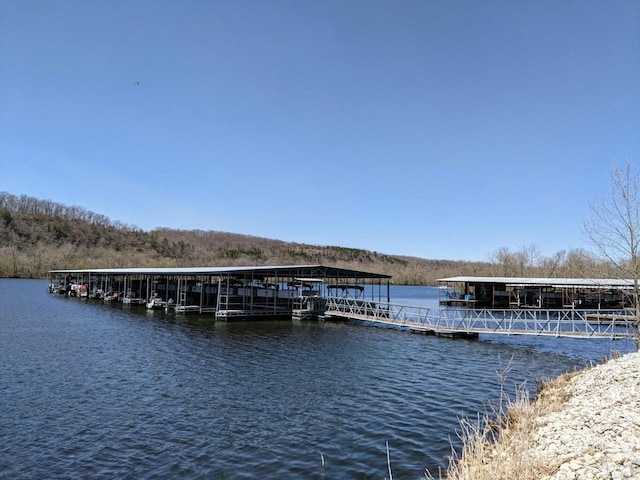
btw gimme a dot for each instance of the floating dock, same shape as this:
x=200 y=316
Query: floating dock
x=540 y=293
x=319 y=292
x=290 y=291
x=469 y=323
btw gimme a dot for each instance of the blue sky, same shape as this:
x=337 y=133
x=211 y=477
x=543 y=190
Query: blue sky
x=437 y=129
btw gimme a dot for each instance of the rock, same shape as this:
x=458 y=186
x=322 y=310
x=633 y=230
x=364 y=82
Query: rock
x=583 y=425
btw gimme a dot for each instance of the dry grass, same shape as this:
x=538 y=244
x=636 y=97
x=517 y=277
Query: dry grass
x=500 y=446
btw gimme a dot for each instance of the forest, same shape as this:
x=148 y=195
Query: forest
x=41 y=235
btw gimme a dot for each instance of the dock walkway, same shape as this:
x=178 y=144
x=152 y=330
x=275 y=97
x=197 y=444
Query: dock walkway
x=472 y=322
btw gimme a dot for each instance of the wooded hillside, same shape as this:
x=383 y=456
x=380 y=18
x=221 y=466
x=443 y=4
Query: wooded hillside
x=40 y=235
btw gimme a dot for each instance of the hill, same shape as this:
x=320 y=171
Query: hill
x=40 y=235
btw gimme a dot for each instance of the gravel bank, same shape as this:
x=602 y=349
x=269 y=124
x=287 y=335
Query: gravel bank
x=595 y=433
x=582 y=425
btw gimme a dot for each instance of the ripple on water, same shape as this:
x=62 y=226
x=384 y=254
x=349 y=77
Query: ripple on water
x=92 y=390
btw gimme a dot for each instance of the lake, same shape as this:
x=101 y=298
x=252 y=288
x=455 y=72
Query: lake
x=93 y=390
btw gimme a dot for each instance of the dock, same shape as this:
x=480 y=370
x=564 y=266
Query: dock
x=541 y=293
x=470 y=323
x=227 y=293
x=317 y=292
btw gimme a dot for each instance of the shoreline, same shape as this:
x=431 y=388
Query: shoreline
x=583 y=424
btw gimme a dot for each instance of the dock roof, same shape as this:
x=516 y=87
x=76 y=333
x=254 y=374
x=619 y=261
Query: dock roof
x=299 y=271
x=547 y=282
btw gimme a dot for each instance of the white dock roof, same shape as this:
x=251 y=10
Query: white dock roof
x=540 y=281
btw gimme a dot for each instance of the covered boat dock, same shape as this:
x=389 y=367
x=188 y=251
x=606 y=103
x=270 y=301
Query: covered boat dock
x=226 y=292
x=541 y=293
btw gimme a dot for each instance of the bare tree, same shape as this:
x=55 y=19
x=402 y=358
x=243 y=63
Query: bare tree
x=521 y=263
x=529 y=258
x=550 y=266
x=614 y=228
x=503 y=262
x=578 y=262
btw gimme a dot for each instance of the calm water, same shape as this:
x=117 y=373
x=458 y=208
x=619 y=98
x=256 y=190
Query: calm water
x=100 y=391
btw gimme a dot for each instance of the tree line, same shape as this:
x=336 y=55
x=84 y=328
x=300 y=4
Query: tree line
x=41 y=235
x=24 y=204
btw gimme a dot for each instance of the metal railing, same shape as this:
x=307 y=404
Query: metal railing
x=555 y=322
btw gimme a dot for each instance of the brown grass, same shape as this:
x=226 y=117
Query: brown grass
x=502 y=447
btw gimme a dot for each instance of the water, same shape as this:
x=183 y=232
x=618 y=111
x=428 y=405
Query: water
x=93 y=390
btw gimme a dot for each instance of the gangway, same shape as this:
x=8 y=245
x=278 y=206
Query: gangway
x=611 y=324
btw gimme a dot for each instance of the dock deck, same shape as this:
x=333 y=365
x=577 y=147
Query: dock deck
x=473 y=322
x=134 y=301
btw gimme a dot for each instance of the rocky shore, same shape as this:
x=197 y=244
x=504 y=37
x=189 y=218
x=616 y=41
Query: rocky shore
x=596 y=432
x=582 y=425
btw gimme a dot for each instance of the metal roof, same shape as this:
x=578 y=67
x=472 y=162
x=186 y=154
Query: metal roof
x=299 y=271
x=550 y=282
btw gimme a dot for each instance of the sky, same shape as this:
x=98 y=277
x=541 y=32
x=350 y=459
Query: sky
x=428 y=128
